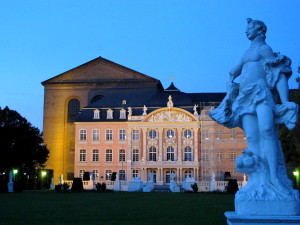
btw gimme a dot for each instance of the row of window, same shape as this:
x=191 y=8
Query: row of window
x=108 y=174
x=152 y=155
x=152 y=134
x=135 y=173
x=219 y=134
x=218 y=156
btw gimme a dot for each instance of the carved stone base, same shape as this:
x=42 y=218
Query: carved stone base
x=268 y=207
x=241 y=219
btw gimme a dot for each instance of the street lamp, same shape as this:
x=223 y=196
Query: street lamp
x=15 y=172
x=296 y=174
x=43 y=173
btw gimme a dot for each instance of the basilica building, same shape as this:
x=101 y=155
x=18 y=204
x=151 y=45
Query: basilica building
x=104 y=118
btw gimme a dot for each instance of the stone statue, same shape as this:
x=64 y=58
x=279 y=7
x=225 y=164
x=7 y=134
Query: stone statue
x=150 y=176
x=10 y=184
x=145 y=111
x=170 y=102
x=129 y=111
x=252 y=104
x=195 y=110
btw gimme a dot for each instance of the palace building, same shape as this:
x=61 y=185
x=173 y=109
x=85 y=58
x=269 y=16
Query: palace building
x=101 y=117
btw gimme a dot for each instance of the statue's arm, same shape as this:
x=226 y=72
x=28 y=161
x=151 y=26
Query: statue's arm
x=236 y=71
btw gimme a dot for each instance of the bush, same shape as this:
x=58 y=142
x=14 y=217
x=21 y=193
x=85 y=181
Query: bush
x=113 y=176
x=65 y=187
x=3 y=184
x=77 y=184
x=86 y=176
x=195 y=187
x=101 y=187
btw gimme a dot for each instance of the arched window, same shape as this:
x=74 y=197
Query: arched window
x=187 y=173
x=187 y=133
x=73 y=109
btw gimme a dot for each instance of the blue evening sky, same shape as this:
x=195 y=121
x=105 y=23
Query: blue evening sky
x=197 y=42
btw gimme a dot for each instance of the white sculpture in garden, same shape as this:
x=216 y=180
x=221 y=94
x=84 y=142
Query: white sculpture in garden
x=252 y=104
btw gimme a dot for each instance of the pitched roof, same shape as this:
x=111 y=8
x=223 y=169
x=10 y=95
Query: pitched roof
x=101 y=70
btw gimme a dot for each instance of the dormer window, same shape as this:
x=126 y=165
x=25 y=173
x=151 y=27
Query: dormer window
x=96 y=114
x=122 y=114
x=109 y=114
x=124 y=102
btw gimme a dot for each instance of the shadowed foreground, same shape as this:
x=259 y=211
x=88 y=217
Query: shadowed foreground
x=44 y=208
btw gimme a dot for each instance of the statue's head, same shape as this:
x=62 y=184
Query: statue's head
x=259 y=26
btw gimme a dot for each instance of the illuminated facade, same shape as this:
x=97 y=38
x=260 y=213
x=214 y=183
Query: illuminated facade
x=102 y=117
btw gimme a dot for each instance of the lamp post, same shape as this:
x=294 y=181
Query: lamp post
x=43 y=174
x=296 y=174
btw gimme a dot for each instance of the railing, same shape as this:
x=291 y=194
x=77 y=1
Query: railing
x=202 y=185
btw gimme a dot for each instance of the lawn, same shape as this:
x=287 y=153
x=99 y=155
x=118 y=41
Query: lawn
x=120 y=208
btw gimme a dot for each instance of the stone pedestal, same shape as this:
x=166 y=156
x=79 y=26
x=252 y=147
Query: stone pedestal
x=245 y=219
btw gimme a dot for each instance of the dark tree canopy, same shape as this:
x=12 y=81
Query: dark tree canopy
x=290 y=140
x=21 y=144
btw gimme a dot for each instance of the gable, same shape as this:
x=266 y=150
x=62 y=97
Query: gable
x=100 y=70
x=171 y=114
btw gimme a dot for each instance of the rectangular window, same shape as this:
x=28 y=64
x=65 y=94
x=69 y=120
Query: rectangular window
x=82 y=135
x=108 y=155
x=96 y=135
x=232 y=156
x=122 y=114
x=205 y=157
x=82 y=155
x=122 y=175
x=109 y=135
x=135 y=135
x=232 y=133
x=152 y=153
x=219 y=156
x=135 y=155
x=81 y=172
x=109 y=114
x=95 y=155
x=135 y=173
x=205 y=134
x=122 y=155
x=95 y=174
x=108 y=174
x=122 y=135
x=219 y=133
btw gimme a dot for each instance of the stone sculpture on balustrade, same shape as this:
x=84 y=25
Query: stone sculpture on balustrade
x=258 y=104
x=135 y=184
x=150 y=184
x=187 y=183
x=173 y=186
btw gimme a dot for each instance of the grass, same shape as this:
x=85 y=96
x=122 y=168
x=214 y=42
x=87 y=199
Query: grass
x=115 y=208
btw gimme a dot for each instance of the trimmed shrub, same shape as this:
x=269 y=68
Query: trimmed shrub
x=101 y=187
x=77 y=184
x=195 y=187
x=232 y=186
x=86 y=176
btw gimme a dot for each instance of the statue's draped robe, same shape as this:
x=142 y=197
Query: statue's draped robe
x=238 y=103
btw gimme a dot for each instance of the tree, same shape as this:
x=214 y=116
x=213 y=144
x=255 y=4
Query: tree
x=290 y=139
x=21 y=144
